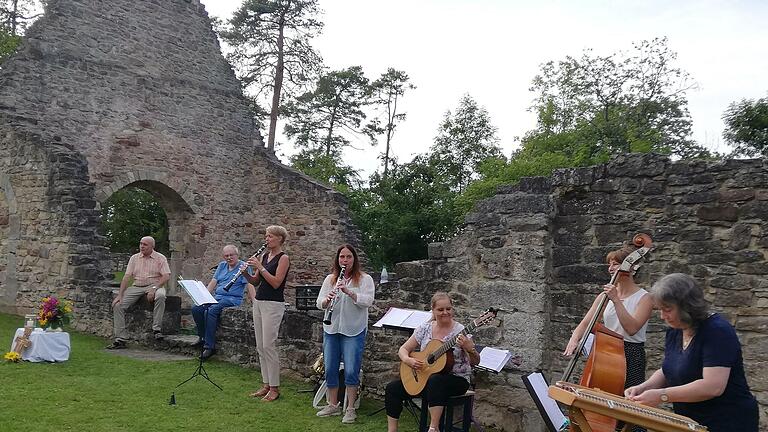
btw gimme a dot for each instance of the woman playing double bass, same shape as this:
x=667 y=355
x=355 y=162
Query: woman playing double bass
x=627 y=312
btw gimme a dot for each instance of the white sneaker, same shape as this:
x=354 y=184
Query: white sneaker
x=349 y=416
x=330 y=410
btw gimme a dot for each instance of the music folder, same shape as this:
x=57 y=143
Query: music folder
x=197 y=291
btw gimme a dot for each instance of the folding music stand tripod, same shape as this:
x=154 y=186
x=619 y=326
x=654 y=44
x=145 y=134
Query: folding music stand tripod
x=200 y=371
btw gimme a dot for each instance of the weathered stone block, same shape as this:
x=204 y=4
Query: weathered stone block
x=753 y=210
x=718 y=213
x=730 y=195
x=729 y=298
x=696 y=234
x=741 y=236
x=701 y=247
x=752 y=323
x=580 y=274
x=582 y=203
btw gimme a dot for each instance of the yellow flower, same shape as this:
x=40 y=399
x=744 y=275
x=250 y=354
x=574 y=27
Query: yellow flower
x=12 y=356
x=43 y=321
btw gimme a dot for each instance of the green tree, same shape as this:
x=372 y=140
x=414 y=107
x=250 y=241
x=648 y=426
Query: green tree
x=323 y=118
x=8 y=44
x=130 y=214
x=465 y=140
x=591 y=108
x=386 y=93
x=272 y=51
x=746 y=127
x=15 y=17
x=620 y=103
x=400 y=215
x=328 y=169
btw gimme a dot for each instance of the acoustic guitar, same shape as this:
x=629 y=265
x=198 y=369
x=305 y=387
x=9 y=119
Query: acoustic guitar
x=437 y=356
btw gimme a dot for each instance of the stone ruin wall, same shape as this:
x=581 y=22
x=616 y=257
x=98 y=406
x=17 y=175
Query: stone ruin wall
x=105 y=95
x=537 y=250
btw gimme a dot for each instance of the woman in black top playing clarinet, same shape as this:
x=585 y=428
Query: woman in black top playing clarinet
x=269 y=307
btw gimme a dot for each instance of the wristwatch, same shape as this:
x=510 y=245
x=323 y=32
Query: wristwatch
x=664 y=397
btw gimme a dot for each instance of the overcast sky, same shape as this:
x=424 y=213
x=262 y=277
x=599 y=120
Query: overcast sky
x=492 y=49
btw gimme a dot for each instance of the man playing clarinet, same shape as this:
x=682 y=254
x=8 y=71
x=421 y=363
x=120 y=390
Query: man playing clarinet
x=207 y=316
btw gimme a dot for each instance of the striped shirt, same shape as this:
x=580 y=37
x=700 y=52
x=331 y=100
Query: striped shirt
x=147 y=270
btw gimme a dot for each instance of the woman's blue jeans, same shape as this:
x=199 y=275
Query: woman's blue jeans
x=337 y=347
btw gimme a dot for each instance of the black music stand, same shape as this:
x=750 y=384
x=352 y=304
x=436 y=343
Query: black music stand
x=200 y=296
x=200 y=371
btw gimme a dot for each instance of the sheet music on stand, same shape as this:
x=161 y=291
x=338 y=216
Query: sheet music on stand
x=537 y=387
x=197 y=291
x=588 y=345
x=403 y=319
x=493 y=359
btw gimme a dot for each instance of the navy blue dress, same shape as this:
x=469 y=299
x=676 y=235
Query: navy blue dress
x=714 y=344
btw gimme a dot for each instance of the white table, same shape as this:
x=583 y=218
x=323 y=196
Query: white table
x=46 y=346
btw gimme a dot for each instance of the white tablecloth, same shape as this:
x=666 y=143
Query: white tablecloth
x=46 y=346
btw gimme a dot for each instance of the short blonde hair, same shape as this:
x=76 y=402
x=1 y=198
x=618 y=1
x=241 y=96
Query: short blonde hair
x=279 y=231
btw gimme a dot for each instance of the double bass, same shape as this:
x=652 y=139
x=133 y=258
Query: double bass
x=606 y=366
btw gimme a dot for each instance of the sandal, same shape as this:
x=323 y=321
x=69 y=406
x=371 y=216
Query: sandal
x=272 y=395
x=260 y=392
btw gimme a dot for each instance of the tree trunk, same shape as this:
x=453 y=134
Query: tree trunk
x=331 y=125
x=390 y=130
x=279 y=70
x=14 y=17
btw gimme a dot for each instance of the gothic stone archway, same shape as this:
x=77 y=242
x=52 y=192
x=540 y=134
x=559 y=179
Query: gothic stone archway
x=178 y=209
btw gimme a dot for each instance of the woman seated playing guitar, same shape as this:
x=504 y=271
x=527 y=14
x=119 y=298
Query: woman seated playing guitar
x=440 y=386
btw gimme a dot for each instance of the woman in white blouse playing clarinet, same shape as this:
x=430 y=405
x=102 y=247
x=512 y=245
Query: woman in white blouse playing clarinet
x=349 y=295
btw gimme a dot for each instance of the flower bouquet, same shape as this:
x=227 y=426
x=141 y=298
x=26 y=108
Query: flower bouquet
x=12 y=356
x=54 y=313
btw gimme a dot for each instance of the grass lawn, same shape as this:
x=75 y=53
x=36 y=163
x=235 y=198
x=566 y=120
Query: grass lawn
x=98 y=391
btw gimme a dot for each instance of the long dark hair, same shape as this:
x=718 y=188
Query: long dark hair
x=354 y=272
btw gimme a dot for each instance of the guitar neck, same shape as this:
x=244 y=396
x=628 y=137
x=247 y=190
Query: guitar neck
x=448 y=345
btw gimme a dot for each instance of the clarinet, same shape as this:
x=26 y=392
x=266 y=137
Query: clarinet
x=240 y=272
x=329 y=309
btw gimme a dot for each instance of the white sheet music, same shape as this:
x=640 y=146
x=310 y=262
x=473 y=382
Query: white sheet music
x=588 y=345
x=393 y=317
x=417 y=318
x=540 y=387
x=494 y=358
x=406 y=318
x=197 y=291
